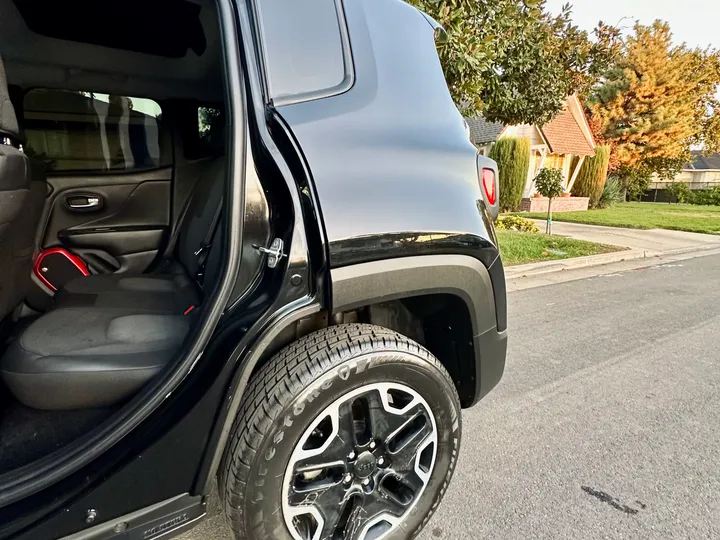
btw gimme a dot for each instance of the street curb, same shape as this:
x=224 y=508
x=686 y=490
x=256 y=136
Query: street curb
x=547 y=267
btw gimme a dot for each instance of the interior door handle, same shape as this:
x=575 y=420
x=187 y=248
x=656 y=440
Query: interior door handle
x=84 y=202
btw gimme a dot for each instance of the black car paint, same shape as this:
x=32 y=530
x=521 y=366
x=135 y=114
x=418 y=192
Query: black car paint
x=405 y=179
x=391 y=154
x=387 y=177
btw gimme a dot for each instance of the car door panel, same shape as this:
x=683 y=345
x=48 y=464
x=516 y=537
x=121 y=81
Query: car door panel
x=114 y=222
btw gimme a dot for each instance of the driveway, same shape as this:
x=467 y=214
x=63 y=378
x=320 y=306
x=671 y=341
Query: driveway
x=606 y=422
x=652 y=241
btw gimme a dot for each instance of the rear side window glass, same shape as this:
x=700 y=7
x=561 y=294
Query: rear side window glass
x=87 y=131
x=209 y=140
x=304 y=47
x=209 y=124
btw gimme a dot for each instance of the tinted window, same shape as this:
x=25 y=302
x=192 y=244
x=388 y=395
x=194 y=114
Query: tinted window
x=85 y=131
x=209 y=124
x=303 y=46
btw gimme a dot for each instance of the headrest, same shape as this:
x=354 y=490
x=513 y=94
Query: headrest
x=8 y=120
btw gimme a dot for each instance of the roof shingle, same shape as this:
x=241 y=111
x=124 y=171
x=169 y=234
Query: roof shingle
x=705 y=163
x=482 y=131
x=564 y=135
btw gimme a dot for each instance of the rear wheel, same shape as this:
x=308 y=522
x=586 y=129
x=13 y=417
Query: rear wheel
x=351 y=433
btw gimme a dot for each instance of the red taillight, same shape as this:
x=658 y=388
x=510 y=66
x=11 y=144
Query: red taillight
x=488 y=182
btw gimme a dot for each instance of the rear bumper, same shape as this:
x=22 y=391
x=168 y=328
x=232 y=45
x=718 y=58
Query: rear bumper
x=491 y=345
x=490 y=353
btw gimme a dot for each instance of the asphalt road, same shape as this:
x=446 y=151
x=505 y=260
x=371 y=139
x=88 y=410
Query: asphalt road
x=607 y=421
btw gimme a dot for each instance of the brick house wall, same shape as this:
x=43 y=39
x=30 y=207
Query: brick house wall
x=560 y=204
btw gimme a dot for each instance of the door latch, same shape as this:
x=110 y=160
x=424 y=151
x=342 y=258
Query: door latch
x=274 y=252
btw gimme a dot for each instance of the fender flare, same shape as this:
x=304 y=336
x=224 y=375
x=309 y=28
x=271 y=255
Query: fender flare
x=381 y=281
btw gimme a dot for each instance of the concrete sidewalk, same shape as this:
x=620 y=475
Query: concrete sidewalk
x=660 y=244
x=649 y=240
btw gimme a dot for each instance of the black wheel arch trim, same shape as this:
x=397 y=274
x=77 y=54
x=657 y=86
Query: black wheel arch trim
x=367 y=283
x=248 y=360
x=460 y=275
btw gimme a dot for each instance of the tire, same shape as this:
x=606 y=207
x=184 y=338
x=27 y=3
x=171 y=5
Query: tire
x=328 y=373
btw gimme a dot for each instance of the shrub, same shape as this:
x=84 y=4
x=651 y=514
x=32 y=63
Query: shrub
x=679 y=192
x=636 y=183
x=516 y=223
x=611 y=193
x=706 y=196
x=593 y=173
x=512 y=156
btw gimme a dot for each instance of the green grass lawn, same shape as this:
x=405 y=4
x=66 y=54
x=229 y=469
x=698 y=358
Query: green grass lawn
x=522 y=248
x=678 y=217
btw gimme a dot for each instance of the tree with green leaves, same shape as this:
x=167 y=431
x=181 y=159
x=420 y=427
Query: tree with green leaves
x=655 y=103
x=512 y=156
x=549 y=183
x=512 y=62
x=593 y=173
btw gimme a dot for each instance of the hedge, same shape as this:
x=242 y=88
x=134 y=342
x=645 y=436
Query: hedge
x=591 y=179
x=512 y=156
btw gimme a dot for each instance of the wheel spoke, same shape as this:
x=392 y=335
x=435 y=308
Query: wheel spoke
x=307 y=487
x=406 y=440
x=346 y=426
x=347 y=521
x=386 y=420
x=386 y=503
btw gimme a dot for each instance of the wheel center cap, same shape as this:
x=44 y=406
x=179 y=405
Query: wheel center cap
x=365 y=465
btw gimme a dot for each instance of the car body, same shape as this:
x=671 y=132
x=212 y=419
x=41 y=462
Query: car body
x=384 y=204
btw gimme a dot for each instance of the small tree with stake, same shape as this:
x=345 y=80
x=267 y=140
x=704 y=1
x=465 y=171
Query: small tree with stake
x=549 y=183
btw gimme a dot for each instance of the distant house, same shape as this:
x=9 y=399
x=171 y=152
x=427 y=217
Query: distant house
x=702 y=172
x=563 y=143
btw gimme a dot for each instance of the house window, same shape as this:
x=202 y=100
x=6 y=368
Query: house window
x=554 y=161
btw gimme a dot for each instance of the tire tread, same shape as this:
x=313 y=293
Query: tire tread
x=279 y=381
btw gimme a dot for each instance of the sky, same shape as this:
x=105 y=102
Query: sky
x=695 y=22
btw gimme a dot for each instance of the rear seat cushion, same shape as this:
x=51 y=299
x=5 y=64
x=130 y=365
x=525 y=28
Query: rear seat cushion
x=160 y=293
x=74 y=358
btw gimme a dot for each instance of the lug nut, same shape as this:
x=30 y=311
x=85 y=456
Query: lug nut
x=366 y=482
x=372 y=445
x=347 y=478
x=381 y=461
x=351 y=456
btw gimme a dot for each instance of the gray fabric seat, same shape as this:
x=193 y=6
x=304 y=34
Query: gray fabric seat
x=108 y=335
x=22 y=194
x=173 y=288
x=169 y=292
x=74 y=358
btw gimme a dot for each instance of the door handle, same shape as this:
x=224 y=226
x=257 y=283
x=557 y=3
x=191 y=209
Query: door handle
x=83 y=202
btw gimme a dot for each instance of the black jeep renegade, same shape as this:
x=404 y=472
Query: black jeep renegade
x=243 y=242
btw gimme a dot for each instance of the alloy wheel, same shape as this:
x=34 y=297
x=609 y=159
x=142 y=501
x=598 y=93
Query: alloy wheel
x=361 y=466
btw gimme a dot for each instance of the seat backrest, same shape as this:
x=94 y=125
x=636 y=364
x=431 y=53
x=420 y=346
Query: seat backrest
x=22 y=194
x=201 y=220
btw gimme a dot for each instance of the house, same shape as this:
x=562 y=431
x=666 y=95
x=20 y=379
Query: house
x=563 y=143
x=702 y=172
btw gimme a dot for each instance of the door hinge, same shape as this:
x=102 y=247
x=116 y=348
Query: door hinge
x=274 y=252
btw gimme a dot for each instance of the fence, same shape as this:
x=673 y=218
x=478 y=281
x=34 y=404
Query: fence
x=693 y=185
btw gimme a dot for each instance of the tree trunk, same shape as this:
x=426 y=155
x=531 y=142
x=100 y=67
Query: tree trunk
x=548 y=225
